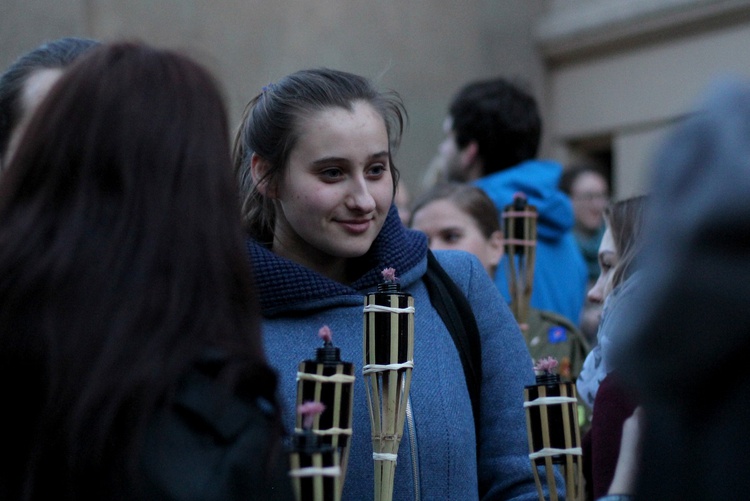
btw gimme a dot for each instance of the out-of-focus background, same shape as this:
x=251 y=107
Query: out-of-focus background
x=610 y=75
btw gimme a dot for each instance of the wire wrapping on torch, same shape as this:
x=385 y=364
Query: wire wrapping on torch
x=328 y=431
x=549 y=451
x=370 y=368
x=387 y=309
x=311 y=471
x=550 y=401
x=333 y=378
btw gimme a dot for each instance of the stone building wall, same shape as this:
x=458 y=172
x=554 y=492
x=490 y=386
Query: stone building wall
x=425 y=50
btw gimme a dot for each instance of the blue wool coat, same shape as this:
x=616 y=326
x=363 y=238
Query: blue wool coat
x=438 y=457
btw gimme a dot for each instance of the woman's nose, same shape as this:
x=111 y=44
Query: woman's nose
x=595 y=294
x=360 y=198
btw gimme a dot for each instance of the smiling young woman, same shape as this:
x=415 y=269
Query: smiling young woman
x=314 y=156
x=336 y=192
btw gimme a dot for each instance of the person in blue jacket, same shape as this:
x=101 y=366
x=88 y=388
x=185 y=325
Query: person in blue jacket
x=314 y=155
x=492 y=136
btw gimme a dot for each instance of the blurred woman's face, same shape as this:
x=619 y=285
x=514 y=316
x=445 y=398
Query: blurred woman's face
x=589 y=195
x=608 y=258
x=448 y=227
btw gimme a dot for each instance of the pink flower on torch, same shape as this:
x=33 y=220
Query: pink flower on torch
x=519 y=195
x=325 y=334
x=309 y=410
x=389 y=275
x=546 y=365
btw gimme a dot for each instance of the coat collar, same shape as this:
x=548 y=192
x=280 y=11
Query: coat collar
x=283 y=284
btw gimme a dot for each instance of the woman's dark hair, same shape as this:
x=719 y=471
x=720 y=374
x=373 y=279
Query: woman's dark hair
x=468 y=198
x=270 y=128
x=502 y=117
x=569 y=176
x=625 y=219
x=121 y=265
x=58 y=53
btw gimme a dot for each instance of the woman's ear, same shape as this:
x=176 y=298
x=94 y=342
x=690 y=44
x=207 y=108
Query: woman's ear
x=259 y=169
x=496 y=244
x=471 y=163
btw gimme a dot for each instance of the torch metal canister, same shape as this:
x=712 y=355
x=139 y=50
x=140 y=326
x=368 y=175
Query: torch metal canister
x=554 y=436
x=328 y=380
x=314 y=466
x=388 y=363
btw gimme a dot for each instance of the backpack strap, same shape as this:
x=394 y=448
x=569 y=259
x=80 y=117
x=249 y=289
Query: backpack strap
x=454 y=309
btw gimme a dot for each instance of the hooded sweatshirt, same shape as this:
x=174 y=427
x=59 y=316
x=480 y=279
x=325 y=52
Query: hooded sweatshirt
x=437 y=454
x=560 y=271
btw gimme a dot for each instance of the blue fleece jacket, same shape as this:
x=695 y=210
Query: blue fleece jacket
x=560 y=271
x=438 y=458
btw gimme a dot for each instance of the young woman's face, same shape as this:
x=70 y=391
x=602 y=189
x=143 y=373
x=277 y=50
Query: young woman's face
x=449 y=227
x=589 y=195
x=608 y=258
x=336 y=189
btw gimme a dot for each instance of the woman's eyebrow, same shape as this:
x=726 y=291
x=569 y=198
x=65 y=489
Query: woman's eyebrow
x=333 y=158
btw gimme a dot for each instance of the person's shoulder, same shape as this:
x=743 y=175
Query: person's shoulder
x=458 y=263
x=214 y=441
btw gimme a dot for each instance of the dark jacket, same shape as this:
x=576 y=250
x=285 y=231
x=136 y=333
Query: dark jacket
x=211 y=445
x=601 y=445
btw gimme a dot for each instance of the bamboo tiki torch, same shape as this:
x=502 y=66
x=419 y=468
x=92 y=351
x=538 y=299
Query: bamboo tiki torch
x=388 y=363
x=329 y=380
x=553 y=432
x=314 y=466
x=519 y=223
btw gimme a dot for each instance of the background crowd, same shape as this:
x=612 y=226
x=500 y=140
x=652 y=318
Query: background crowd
x=158 y=287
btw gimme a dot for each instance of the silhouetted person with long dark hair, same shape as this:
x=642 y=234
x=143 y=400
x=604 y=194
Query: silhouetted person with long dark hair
x=131 y=365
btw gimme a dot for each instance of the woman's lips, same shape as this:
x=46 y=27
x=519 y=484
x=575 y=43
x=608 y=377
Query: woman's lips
x=356 y=225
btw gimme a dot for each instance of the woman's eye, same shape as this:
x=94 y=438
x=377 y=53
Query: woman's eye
x=452 y=237
x=376 y=170
x=331 y=174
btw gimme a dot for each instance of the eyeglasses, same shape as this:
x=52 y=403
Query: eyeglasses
x=591 y=197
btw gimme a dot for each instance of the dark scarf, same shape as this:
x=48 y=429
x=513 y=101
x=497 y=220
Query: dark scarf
x=284 y=282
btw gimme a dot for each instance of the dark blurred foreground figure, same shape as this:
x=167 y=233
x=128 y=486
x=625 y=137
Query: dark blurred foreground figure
x=27 y=80
x=689 y=339
x=131 y=365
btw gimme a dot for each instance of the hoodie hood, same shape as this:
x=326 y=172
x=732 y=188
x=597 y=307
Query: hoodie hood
x=538 y=180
